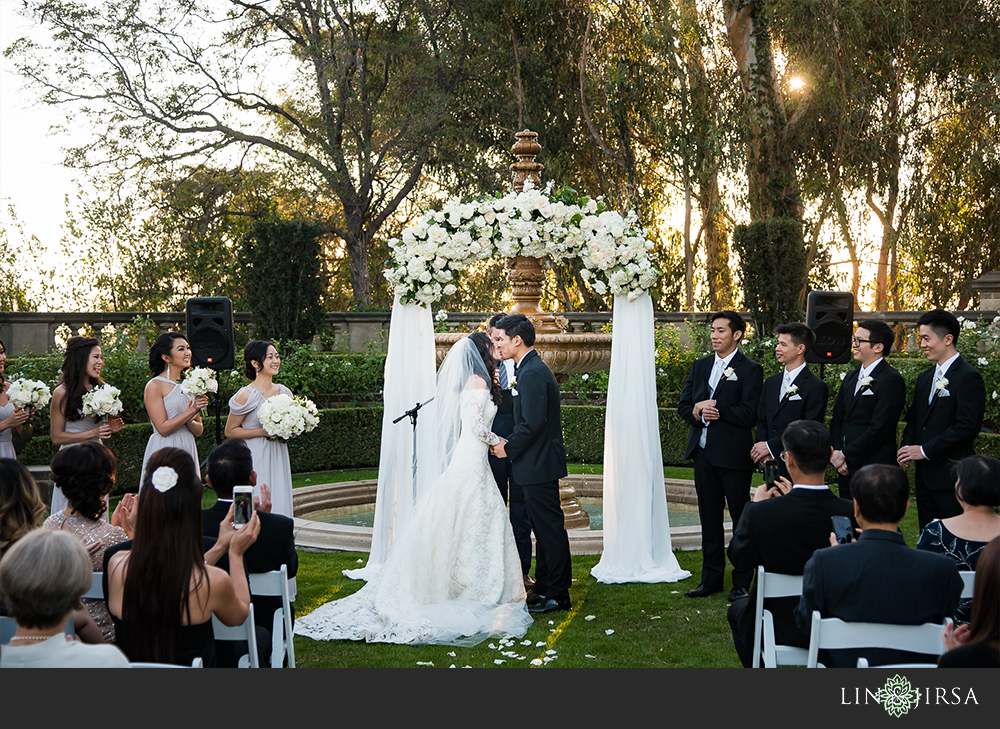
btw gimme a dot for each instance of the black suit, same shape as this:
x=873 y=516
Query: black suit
x=878 y=579
x=723 y=468
x=946 y=429
x=538 y=461
x=510 y=489
x=275 y=546
x=864 y=425
x=781 y=534
x=774 y=412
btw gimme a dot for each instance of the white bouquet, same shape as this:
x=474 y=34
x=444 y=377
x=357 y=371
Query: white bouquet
x=102 y=401
x=286 y=417
x=199 y=381
x=26 y=393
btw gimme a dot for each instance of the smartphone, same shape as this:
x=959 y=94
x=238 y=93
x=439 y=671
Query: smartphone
x=842 y=529
x=243 y=503
x=772 y=472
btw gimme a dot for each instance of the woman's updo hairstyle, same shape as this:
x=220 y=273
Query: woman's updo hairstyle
x=86 y=474
x=163 y=345
x=255 y=351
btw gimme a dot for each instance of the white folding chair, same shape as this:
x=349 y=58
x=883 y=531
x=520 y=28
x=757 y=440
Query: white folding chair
x=773 y=584
x=196 y=663
x=276 y=584
x=96 y=591
x=244 y=632
x=969 y=578
x=834 y=634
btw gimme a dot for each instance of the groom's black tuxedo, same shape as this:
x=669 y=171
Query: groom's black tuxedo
x=538 y=461
x=723 y=468
x=946 y=429
x=774 y=412
x=864 y=425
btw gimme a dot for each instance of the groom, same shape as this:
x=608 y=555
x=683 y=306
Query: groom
x=538 y=461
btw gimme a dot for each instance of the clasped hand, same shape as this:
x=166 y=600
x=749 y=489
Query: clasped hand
x=705 y=410
x=909 y=453
x=498 y=449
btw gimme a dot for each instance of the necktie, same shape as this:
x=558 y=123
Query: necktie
x=937 y=378
x=502 y=372
x=861 y=375
x=784 y=385
x=713 y=379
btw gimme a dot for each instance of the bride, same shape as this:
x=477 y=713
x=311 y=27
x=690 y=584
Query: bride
x=453 y=576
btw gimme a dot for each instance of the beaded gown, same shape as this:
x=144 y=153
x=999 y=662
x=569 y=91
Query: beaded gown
x=270 y=457
x=453 y=576
x=175 y=403
x=85 y=423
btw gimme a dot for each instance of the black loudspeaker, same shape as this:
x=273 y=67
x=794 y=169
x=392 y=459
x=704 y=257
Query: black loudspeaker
x=830 y=314
x=210 y=331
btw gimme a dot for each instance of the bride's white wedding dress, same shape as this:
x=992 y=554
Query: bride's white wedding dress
x=453 y=576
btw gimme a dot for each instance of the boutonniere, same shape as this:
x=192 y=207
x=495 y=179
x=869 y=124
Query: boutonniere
x=513 y=384
x=729 y=373
x=792 y=390
x=866 y=382
x=941 y=387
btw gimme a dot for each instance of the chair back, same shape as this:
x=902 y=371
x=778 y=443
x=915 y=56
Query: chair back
x=276 y=584
x=773 y=584
x=196 y=663
x=96 y=591
x=8 y=627
x=243 y=632
x=834 y=634
x=969 y=580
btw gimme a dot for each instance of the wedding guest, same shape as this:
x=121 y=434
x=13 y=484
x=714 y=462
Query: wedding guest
x=977 y=645
x=163 y=591
x=878 y=578
x=868 y=405
x=510 y=489
x=944 y=419
x=719 y=401
x=270 y=455
x=176 y=418
x=21 y=512
x=963 y=537
x=795 y=393
x=68 y=426
x=11 y=416
x=42 y=578
x=86 y=476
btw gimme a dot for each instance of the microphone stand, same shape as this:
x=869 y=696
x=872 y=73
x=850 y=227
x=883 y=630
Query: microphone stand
x=412 y=414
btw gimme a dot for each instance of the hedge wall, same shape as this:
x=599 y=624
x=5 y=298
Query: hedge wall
x=350 y=438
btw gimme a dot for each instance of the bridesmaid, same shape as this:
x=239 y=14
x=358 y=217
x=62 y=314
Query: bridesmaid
x=11 y=416
x=176 y=418
x=270 y=456
x=81 y=372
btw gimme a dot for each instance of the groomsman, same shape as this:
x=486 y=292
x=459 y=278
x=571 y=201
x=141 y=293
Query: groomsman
x=945 y=417
x=868 y=405
x=510 y=489
x=793 y=394
x=719 y=402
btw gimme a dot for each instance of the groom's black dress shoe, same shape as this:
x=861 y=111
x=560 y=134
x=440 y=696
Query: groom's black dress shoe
x=702 y=590
x=738 y=593
x=533 y=598
x=548 y=605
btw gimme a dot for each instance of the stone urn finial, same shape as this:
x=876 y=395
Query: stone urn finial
x=526 y=148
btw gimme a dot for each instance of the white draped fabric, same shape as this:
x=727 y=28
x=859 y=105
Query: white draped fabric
x=410 y=377
x=636 y=527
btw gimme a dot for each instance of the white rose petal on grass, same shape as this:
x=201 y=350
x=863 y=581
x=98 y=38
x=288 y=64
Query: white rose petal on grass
x=548 y=658
x=539 y=644
x=609 y=631
x=451 y=653
x=452 y=666
x=590 y=617
x=655 y=617
x=587 y=655
x=536 y=661
x=498 y=661
x=526 y=642
x=425 y=663
x=552 y=622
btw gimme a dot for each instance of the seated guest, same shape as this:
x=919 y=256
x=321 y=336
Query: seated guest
x=781 y=528
x=21 y=512
x=86 y=475
x=231 y=464
x=163 y=591
x=962 y=537
x=977 y=645
x=42 y=578
x=878 y=579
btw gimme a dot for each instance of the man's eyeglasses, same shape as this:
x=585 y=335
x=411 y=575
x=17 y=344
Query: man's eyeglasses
x=782 y=457
x=855 y=341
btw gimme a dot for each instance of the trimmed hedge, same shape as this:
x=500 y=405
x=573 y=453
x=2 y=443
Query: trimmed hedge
x=351 y=438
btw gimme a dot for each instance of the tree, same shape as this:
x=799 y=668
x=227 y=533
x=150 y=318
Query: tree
x=772 y=264
x=363 y=95
x=17 y=262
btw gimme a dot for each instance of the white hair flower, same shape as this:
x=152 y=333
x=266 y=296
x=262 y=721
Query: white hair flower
x=164 y=478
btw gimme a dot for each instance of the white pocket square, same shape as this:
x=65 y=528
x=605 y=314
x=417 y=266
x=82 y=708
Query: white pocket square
x=795 y=397
x=867 y=392
x=513 y=392
x=731 y=378
x=943 y=393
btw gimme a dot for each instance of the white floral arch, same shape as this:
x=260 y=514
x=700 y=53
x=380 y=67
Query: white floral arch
x=614 y=249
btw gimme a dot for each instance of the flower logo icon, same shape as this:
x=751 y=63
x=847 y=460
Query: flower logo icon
x=898 y=696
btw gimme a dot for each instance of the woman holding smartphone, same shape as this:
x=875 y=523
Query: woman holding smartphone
x=81 y=373
x=270 y=455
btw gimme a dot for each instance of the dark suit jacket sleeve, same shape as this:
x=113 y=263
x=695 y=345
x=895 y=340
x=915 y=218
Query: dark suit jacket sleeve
x=531 y=390
x=812 y=594
x=743 y=547
x=744 y=413
x=291 y=556
x=889 y=400
x=686 y=404
x=971 y=394
x=762 y=433
x=837 y=419
x=921 y=391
